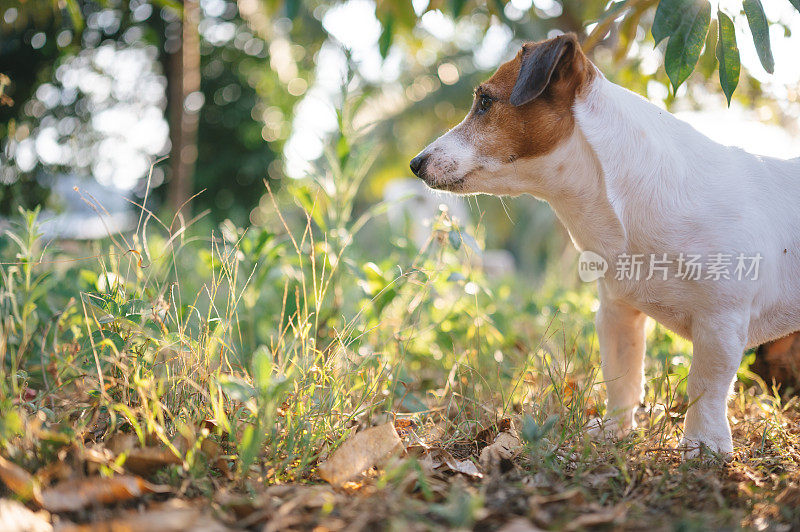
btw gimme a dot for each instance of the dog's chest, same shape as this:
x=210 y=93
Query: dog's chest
x=661 y=303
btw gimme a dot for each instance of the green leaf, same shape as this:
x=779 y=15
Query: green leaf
x=533 y=432
x=668 y=18
x=387 y=33
x=760 y=29
x=471 y=242
x=457 y=6
x=249 y=446
x=174 y=5
x=686 y=43
x=292 y=8
x=455 y=239
x=455 y=277
x=75 y=15
x=727 y=55
x=133 y=307
x=236 y=388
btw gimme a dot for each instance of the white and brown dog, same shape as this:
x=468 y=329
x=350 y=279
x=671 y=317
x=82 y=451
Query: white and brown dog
x=628 y=179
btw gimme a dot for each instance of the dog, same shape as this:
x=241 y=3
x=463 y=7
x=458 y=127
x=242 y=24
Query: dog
x=630 y=181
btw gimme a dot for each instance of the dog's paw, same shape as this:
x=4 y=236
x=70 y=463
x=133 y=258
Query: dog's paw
x=707 y=447
x=606 y=429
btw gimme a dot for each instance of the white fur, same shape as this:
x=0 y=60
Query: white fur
x=634 y=179
x=451 y=159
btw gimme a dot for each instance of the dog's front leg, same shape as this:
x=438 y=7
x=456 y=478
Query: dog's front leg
x=620 y=331
x=718 y=345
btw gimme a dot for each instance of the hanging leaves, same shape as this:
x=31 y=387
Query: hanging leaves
x=727 y=55
x=668 y=18
x=686 y=23
x=759 y=27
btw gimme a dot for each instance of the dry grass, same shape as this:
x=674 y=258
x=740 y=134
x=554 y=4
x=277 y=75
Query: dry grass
x=178 y=382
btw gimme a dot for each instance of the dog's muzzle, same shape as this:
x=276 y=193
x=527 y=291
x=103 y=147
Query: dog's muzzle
x=418 y=165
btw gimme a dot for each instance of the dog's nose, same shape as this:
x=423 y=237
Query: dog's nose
x=417 y=163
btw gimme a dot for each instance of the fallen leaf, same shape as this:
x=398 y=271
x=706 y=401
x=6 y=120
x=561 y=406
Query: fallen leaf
x=600 y=475
x=500 y=452
x=601 y=517
x=360 y=452
x=72 y=495
x=141 y=460
x=574 y=496
x=15 y=517
x=519 y=524
x=122 y=442
x=431 y=460
x=486 y=436
x=171 y=517
x=144 y=461
x=18 y=480
x=403 y=423
x=439 y=459
x=465 y=467
x=789 y=497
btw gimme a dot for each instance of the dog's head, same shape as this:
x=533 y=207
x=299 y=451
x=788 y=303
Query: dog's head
x=520 y=114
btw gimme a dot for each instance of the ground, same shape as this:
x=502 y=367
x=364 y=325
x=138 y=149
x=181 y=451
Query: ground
x=431 y=482
x=212 y=384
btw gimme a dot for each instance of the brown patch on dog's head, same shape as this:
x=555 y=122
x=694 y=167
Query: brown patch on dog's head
x=532 y=97
x=524 y=110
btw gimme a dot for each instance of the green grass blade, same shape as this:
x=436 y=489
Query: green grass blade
x=387 y=33
x=75 y=15
x=728 y=56
x=457 y=7
x=759 y=26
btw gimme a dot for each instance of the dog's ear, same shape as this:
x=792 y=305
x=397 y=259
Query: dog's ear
x=539 y=64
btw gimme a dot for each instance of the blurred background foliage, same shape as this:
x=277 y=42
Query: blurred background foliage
x=225 y=94
x=302 y=283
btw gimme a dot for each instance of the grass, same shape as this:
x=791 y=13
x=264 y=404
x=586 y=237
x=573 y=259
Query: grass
x=235 y=361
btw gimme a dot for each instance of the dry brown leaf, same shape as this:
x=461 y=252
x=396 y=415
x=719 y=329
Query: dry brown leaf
x=175 y=516
x=601 y=476
x=439 y=459
x=18 y=480
x=465 y=467
x=486 y=436
x=403 y=425
x=601 y=517
x=574 y=496
x=505 y=447
x=72 y=495
x=360 y=452
x=15 y=517
x=519 y=524
x=144 y=461
x=432 y=459
x=121 y=442
x=141 y=460
x=790 y=497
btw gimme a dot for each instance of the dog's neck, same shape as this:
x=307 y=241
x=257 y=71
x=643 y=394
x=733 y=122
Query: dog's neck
x=577 y=193
x=601 y=181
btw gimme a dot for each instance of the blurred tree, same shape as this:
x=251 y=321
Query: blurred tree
x=27 y=66
x=184 y=102
x=226 y=154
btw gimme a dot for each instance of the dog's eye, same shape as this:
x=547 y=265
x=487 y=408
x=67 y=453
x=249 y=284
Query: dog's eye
x=484 y=103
